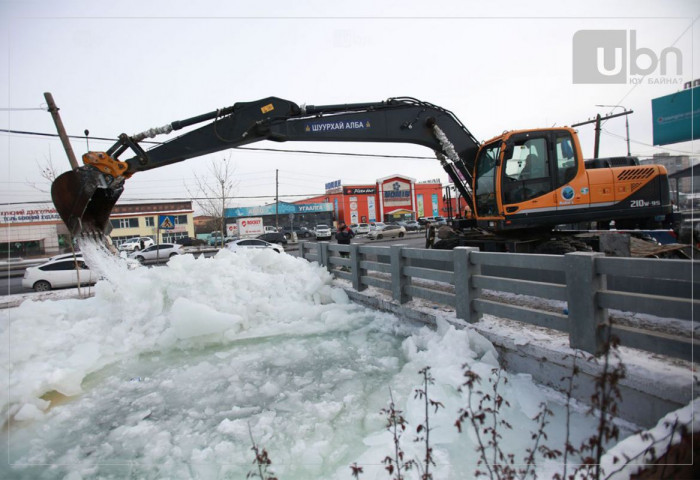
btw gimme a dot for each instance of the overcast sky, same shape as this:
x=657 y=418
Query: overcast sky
x=126 y=66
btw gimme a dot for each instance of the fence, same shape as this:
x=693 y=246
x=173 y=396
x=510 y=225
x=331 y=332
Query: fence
x=585 y=288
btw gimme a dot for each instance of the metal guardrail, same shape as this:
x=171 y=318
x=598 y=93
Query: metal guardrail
x=459 y=277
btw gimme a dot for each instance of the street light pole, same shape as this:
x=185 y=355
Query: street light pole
x=627 y=124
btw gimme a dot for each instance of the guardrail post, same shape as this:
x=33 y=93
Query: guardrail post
x=323 y=255
x=588 y=323
x=398 y=279
x=465 y=292
x=302 y=244
x=357 y=272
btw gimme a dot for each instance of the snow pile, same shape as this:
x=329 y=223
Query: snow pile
x=169 y=371
x=54 y=345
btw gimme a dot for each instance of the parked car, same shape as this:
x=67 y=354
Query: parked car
x=58 y=273
x=322 y=232
x=64 y=256
x=215 y=238
x=440 y=221
x=155 y=253
x=245 y=243
x=190 y=242
x=388 y=231
x=276 y=237
x=362 y=229
x=376 y=226
x=269 y=229
x=135 y=244
x=411 y=226
x=302 y=232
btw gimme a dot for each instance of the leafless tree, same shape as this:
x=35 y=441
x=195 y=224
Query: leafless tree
x=212 y=192
x=47 y=171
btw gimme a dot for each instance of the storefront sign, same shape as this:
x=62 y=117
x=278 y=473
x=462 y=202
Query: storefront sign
x=371 y=210
x=333 y=187
x=284 y=208
x=28 y=215
x=397 y=193
x=360 y=191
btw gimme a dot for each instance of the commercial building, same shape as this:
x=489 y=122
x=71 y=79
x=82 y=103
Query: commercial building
x=36 y=229
x=389 y=199
x=165 y=222
x=31 y=229
x=284 y=214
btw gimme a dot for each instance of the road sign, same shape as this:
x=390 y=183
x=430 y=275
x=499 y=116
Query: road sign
x=166 y=222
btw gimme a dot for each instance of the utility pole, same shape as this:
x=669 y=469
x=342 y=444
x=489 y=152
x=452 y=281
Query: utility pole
x=627 y=123
x=597 y=121
x=53 y=109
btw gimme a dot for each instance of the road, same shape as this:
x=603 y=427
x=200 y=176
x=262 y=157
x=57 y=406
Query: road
x=12 y=284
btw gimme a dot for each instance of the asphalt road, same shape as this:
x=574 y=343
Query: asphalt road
x=11 y=284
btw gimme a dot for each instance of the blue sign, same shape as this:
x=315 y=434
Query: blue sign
x=284 y=208
x=676 y=117
x=333 y=185
x=436 y=211
x=166 y=222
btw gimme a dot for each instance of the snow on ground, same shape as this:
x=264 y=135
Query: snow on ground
x=167 y=372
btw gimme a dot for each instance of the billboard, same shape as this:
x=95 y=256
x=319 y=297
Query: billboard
x=283 y=209
x=676 y=117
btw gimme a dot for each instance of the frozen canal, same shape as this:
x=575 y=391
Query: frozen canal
x=166 y=372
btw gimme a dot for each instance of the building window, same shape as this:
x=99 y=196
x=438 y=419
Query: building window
x=181 y=220
x=150 y=222
x=125 y=223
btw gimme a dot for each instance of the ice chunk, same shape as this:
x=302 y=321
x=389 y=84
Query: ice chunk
x=192 y=319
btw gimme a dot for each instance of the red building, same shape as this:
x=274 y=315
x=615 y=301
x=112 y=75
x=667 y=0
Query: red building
x=391 y=198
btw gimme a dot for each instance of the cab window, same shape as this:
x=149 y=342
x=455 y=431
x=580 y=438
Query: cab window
x=485 y=180
x=527 y=169
x=566 y=160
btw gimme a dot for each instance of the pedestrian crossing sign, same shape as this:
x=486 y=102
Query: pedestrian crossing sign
x=166 y=222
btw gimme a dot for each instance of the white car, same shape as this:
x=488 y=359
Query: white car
x=322 y=232
x=157 y=253
x=59 y=272
x=362 y=229
x=388 y=231
x=135 y=244
x=245 y=243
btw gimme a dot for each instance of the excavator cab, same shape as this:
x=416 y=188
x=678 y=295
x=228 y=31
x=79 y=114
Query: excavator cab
x=522 y=173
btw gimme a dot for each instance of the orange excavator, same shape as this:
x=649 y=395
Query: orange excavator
x=518 y=184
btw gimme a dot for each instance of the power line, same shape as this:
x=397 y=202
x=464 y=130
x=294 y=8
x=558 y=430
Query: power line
x=12 y=109
x=607 y=132
x=262 y=149
x=180 y=199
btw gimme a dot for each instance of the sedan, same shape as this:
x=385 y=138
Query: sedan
x=246 y=243
x=155 y=253
x=275 y=237
x=388 y=231
x=60 y=273
x=411 y=226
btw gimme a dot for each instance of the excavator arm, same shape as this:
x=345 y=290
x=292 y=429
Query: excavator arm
x=84 y=197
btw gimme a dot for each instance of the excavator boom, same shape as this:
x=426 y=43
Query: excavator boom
x=84 y=197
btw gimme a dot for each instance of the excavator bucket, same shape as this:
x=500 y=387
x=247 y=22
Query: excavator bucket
x=84 y=200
